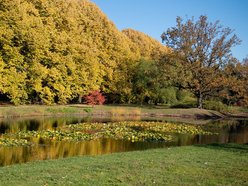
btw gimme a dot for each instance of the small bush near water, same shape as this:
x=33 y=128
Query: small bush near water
x=215 y=105
x=95 y=98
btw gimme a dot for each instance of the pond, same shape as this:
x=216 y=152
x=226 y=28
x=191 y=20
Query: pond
x=223 y=131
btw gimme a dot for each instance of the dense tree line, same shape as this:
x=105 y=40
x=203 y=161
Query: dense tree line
x=57 y=51
x=60 y=51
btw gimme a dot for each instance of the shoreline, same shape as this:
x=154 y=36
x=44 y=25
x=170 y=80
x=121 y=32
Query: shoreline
x=113 y=111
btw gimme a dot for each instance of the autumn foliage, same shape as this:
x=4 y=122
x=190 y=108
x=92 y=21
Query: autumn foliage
x=201 y=49
x=56 y=52
x=95 y=98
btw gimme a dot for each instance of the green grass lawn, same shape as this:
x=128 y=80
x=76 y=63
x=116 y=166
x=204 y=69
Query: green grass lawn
x=192 y=165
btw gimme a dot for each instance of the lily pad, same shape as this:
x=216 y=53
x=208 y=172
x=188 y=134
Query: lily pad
x=9 y=142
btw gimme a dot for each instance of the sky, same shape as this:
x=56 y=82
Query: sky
x=153 y=17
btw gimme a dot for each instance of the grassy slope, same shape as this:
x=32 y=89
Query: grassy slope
x=36 y=110
x=194 y=165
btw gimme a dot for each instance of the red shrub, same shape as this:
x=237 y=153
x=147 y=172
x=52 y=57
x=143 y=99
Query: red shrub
x=95 y=98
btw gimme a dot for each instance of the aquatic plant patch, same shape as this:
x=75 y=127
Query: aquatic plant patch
x=10 y=142
x=55 y=135
x=138 y=130
x=142 y=126
x=129 y=130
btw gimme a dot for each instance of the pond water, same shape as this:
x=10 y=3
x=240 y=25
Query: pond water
x=229 y=131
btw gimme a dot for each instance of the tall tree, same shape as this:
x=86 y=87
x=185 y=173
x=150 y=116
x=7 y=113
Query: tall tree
x=202 y=49
x=128 y=84
x=145 y=81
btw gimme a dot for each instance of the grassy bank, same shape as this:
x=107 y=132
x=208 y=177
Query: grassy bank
x=38 y=110
x=104 y=110
x=194 y=165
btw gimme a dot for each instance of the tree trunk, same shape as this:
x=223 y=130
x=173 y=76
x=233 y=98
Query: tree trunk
x=80 y=99
x=199 y=101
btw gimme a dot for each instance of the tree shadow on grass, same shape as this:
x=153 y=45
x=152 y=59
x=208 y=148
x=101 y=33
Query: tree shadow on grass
x=231 y=147
x=183 y=106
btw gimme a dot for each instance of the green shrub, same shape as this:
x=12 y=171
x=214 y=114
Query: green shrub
x=184 y=96
x=168 y=95
x=56 y=110
x=215 y=105
x=88 y=110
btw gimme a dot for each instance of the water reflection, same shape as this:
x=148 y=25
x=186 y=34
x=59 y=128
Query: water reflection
x=54 y=150
x=229 y=132
x=13 y=125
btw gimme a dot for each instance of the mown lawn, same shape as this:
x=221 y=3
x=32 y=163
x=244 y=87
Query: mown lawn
x=193 y=165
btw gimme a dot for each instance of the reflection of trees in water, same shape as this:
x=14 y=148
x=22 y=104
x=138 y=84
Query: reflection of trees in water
x=20 y=124
x=229 y=131
x=44 y=123
x=52 y=150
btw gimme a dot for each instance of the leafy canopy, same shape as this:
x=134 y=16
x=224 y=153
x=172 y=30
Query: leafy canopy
x=201 y=50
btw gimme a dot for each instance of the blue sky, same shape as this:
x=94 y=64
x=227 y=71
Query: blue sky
x=155 y=16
